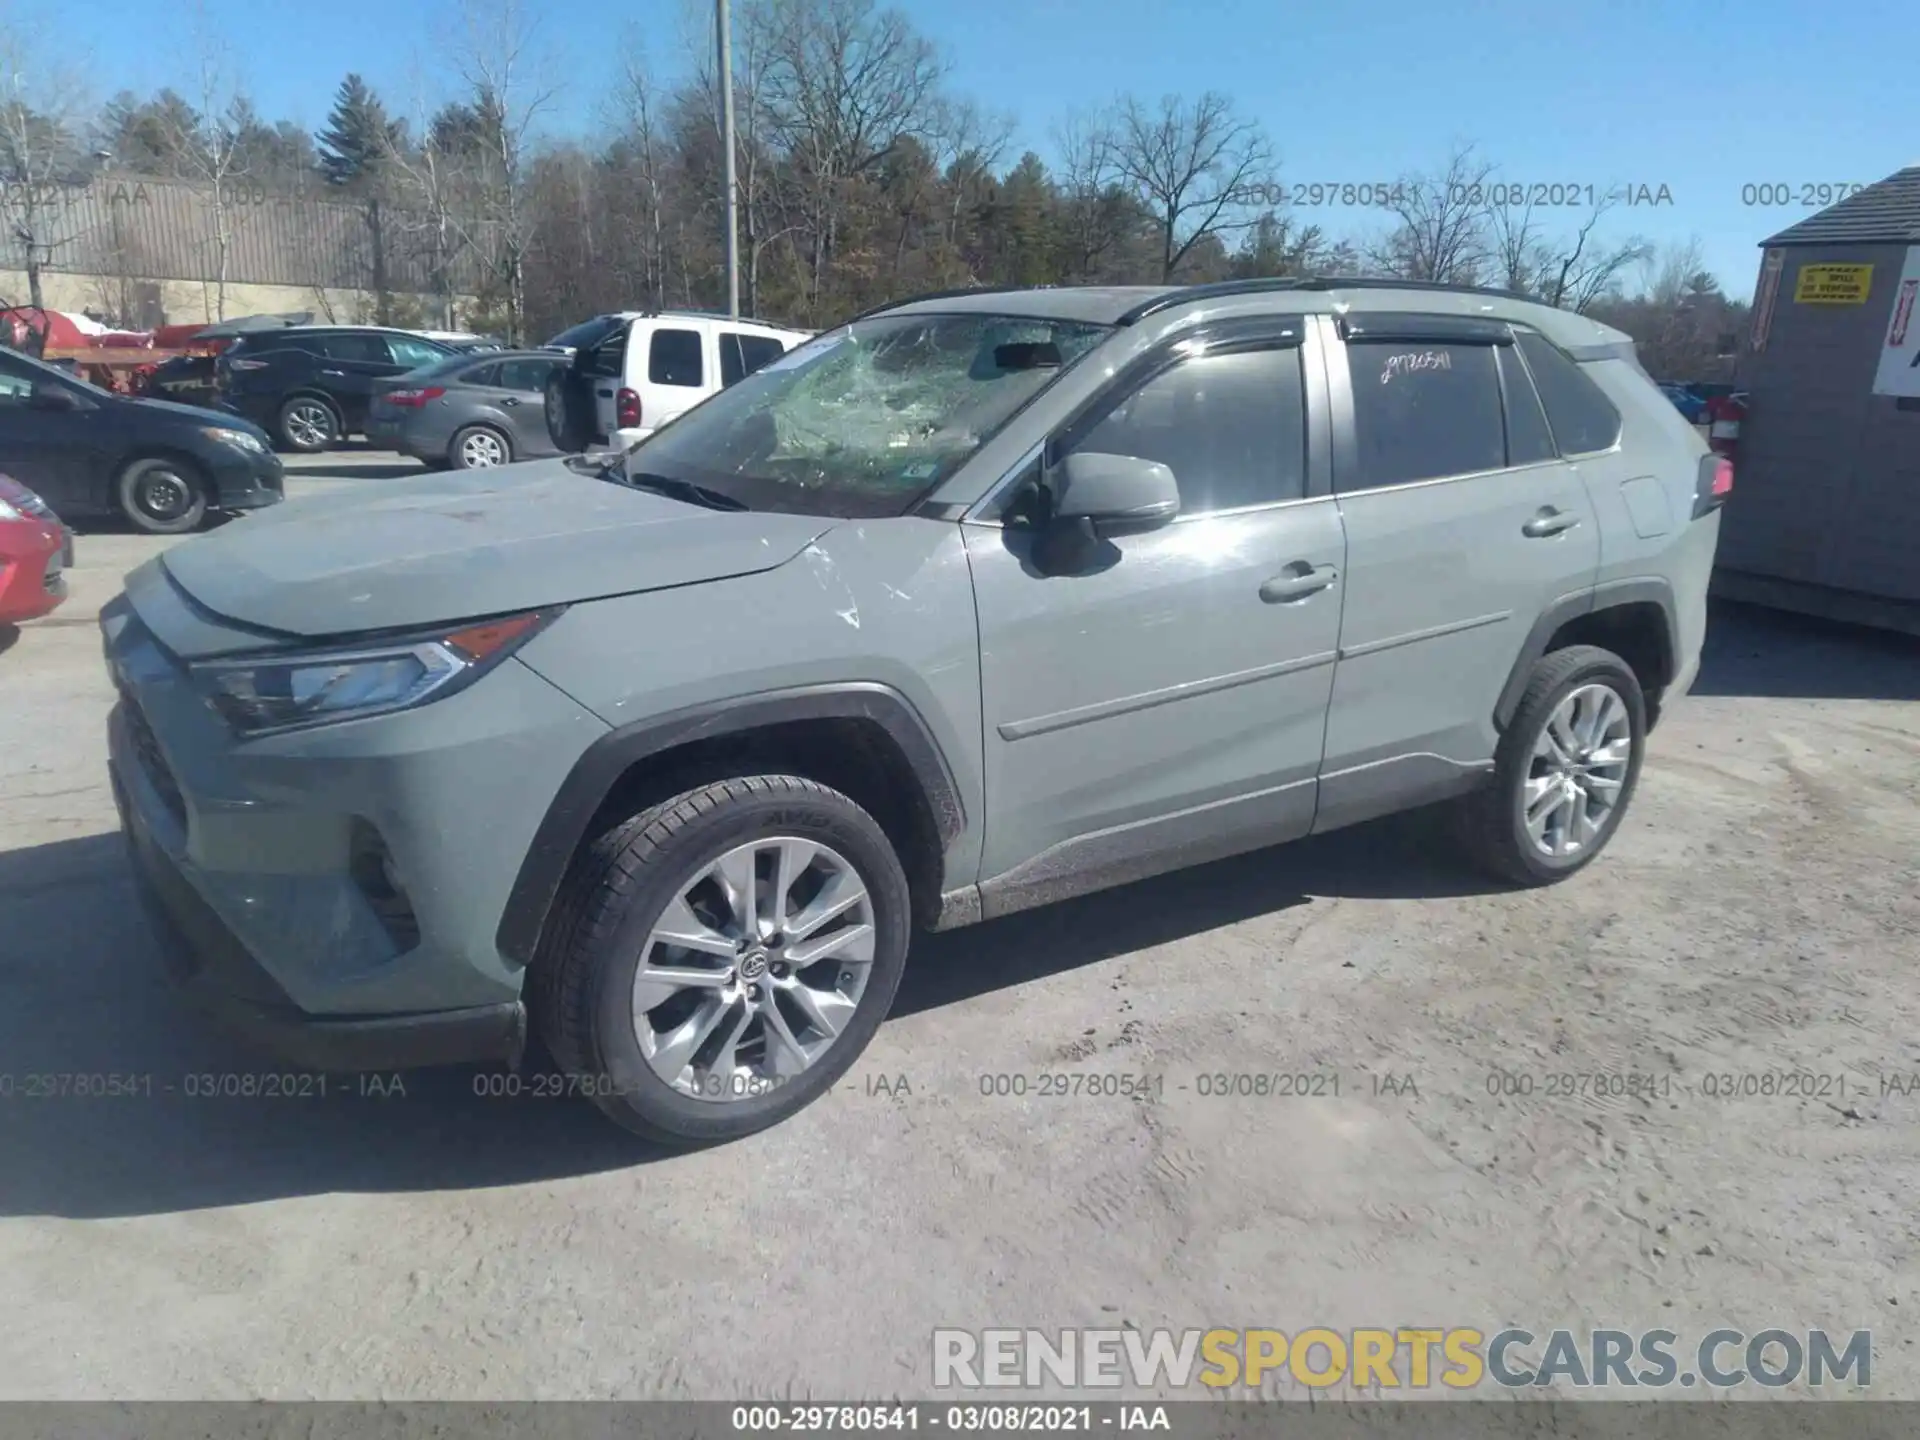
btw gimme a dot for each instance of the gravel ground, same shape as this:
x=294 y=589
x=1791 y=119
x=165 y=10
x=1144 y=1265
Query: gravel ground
x=1756 y=915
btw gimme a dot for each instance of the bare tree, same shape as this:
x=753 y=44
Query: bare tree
x=1571 y=273
x=42 y=160
x=1200 y=168
x=1440 y=223
x=842 y=83
x=208 y=140
x=1095 y=213
x=505 y=75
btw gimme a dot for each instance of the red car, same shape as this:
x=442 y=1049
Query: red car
x=35 y=551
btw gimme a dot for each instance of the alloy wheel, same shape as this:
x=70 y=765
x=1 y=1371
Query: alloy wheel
x=1578 y=772
x=754 y=969
x=309 y=424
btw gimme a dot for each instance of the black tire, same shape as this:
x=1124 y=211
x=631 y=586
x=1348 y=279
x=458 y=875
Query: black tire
x=1492 y=824
x=569 y=410
x=457 y=458
x=162 y=496
x=580 y=990
x=308 y=424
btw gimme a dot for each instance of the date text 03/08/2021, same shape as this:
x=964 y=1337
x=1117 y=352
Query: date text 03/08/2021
x=961 y=1419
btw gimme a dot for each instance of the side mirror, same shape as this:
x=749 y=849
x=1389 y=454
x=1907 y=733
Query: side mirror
x=53 y=397
x=1114 y=494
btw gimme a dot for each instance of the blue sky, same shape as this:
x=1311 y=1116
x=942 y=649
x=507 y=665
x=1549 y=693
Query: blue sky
x=1702 y=98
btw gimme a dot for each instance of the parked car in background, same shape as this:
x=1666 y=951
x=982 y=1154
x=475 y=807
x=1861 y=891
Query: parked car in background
x=309 y=386
x=630 y=373
x=470 y=412
x=1692 y=407
x=159 y=465
x=463 y=339
x=978 y=603
x=189 y=379
x=36 y=551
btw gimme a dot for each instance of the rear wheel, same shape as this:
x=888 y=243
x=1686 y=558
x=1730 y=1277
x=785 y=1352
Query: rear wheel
x=714 y=964
x=163 y=496
x=479 y=447
x=308 y=424
x=1564 y=772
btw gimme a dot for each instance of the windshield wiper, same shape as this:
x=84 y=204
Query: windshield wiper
x=685 y=490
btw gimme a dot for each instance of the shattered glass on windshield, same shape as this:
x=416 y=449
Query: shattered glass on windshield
x=866 y=419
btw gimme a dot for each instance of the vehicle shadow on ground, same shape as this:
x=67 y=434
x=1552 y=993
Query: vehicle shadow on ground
x=1753 y=651
x=85 y=1013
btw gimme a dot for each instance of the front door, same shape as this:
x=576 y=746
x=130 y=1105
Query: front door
x=1165 y=700
x=1463 y=527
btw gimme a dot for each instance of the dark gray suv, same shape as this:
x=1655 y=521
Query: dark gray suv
x=977 y=602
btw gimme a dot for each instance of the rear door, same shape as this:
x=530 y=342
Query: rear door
x=356 y=361
x=515 y=388
x=1463 y=526
x=607 y=370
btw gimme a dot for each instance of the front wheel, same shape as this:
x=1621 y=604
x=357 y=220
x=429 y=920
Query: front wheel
x=714 y=964
x=163 y=496
x=1564 y=772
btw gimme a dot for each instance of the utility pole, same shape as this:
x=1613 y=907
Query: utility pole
x=725 y=28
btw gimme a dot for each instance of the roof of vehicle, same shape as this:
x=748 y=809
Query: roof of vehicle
x=715 y=315
x=1129 y=304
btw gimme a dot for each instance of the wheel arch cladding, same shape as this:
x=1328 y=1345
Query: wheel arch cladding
x=1633 y=618
x=864 y=739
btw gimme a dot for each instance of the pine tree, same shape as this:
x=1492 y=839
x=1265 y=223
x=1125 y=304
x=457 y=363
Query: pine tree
x=358 y=137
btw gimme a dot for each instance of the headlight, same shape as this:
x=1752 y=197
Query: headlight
x=271 y=693
x=238 y=439
x=7 y=512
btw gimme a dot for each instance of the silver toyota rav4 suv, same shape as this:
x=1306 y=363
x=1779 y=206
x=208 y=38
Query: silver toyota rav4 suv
x=976 y=602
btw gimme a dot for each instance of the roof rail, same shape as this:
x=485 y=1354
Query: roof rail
x=953 y=294
x=1226 y=289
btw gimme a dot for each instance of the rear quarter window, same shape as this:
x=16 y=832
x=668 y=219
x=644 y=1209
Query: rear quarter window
x=1583 y=419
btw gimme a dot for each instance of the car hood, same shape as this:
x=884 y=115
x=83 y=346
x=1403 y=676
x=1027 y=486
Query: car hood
x=453 y=547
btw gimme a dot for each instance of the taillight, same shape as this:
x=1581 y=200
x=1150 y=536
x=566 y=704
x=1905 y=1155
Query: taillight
x=626 y=409
x=414 y=399
x=1713 y=487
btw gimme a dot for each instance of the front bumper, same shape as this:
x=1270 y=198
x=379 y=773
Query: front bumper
x=218 y=975
x=252 y=857
x=247 y=481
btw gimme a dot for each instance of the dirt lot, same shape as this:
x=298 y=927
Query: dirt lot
x=1757 y=915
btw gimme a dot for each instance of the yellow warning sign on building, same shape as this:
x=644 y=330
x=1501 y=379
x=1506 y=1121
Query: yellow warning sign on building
x=1832 y=284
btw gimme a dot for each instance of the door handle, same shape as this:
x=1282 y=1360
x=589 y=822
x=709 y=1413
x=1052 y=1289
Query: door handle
x=1549 y=522
x=333 y=372
x=509 y=401
x=1297 y=582
x=604 y=394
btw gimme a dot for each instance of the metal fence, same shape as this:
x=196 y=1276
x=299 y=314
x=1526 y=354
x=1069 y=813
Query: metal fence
x=142 y=228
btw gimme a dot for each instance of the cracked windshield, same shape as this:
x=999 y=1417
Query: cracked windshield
x=868 y=418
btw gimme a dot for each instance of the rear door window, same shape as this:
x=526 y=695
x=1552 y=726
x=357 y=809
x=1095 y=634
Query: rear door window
x=1528 y=440
x=487 y=375
x=674 y=358
x=528 y=375
x=1423 y=410
x=361 y=347
x=1583 y=418
x=742 y=354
